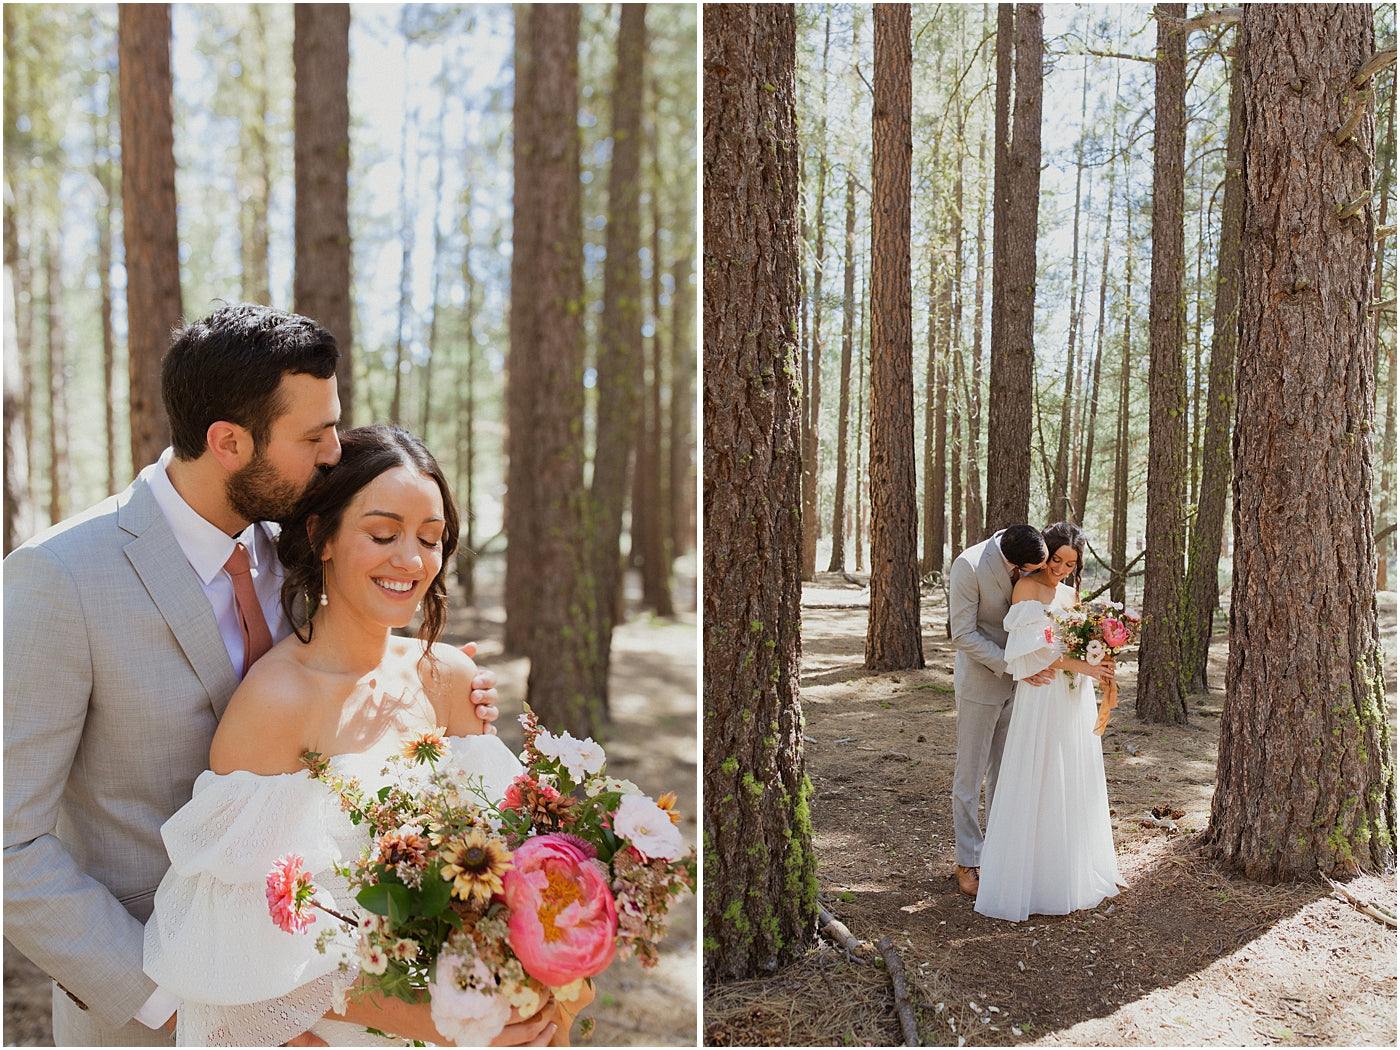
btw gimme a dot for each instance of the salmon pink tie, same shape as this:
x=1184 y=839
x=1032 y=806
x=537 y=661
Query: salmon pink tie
x=257 y=639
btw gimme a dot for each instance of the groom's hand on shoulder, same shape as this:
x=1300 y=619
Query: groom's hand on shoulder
x=484 y=694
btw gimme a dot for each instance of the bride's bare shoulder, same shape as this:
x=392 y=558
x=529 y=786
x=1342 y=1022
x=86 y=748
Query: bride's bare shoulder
x=268 y=722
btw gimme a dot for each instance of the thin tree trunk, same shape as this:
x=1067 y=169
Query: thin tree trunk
x=1305 y=779
x=976 y=510
x=1202 y=574
x=860 y=430
x=102 y=128
x=1062 y=507
x=682 y=403
x=58 y=386
x=321 y=106
x=848 y=324
x=935 y=426
x=1161 y=697
x=760 y=874
x=893 y=639
x=811 y=449
x=407 y=226
x=656 y=556
x=465 y=416
x=620 y=344
x=1118 y=557
x=426 y=383
x=255 y=161
x=153 y=305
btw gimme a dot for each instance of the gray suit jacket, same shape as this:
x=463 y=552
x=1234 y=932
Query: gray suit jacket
x=115 y=677
x=979 y=595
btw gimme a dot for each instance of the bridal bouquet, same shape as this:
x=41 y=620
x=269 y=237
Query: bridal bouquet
x=1092 y=631
x=489 y=904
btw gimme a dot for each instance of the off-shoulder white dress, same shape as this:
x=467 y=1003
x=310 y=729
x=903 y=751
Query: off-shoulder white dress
x=1049 y=844
x=210 y=941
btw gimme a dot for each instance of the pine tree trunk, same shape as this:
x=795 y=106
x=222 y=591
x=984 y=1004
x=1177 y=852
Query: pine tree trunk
x=848 y=334
x=893 y=638
x=620 y=339
x=321 y=111
x=153 y=304
x=1014 y=218
x=760 y=872
x=1305 y=779
x=255 y=162
x=18 y=506
x=1118 y=556
x=656 y=555
x=465 y=416
x=935 y=427
x=522 y=515
x=58 y=386
x=1385 y=352
x=102 y=125
x=683 y=403
x=1203 y=570
x=860 y=474
x=1161 y=697
x=812 y=393
x=976 y=509
x=561 y=651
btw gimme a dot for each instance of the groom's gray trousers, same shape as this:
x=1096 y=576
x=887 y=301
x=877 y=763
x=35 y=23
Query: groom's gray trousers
x=981 y=734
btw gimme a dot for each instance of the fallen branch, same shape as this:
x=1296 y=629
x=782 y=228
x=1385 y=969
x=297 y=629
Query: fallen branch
x=903 y=1006
x=836 y=929
x=1365 y=907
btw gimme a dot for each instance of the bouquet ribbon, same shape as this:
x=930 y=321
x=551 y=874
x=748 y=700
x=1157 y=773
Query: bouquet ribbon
x=1109 y=702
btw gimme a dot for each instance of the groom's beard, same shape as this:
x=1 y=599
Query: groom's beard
x=258 y=493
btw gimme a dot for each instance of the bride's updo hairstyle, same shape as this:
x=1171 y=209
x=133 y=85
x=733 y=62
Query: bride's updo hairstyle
x=1067 y=534
x=365 y=453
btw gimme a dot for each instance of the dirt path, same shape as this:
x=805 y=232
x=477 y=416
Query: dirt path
x=1186 y=956
x=653 y=744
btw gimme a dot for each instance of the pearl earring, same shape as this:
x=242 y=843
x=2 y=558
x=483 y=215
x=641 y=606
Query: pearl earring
x=324 y=603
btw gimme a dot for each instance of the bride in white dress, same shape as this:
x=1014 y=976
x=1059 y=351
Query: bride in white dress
x=1049 y=844
x=365 y=549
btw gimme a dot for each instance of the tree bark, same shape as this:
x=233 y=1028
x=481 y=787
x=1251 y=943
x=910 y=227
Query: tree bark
x=321 y=113
x=935 y=492
x=153 y=305
x=760 y=872
x=976 y=508
x=620 y=345
x=1118 y=543
x=1014 y=218
x=561 y=651
x=656 y=552
x=893 y=638
x=1305 y=780
x=848 y=334
x=683 y=402
x=522 y=517
x=1161 y=697
x=1203 y=570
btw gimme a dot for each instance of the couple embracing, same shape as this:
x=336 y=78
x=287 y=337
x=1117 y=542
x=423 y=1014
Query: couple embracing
x=171 y=654
x=1026 y=716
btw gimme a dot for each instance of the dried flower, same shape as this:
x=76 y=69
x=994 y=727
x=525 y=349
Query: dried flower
x=426 y=747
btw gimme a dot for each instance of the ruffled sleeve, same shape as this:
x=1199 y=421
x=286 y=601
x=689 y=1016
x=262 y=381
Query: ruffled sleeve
x=485 y=757
x=1030 y=641
x=210 y=939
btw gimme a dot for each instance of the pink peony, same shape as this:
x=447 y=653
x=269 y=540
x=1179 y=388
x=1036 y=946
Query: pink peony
x=1114 y=633
x=562 y=919
x=289 y=893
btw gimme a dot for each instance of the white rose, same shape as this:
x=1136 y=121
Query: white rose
x=580 y=757
x=1093 y=652
x=647 y=827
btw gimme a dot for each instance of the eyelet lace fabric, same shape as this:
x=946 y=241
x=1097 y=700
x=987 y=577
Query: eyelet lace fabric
x=211 y=942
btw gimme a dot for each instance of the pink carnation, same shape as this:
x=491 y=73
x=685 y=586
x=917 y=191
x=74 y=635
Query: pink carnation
x=562 y=922
x=1114 y=632
x=289 y=893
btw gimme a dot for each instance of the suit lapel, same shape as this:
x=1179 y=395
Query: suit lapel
x=172 y=584
x=995 y=565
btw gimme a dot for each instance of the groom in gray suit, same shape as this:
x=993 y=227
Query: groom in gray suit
x=979 y=595
x=123 y=643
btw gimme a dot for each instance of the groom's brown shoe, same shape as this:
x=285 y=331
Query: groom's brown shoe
x=968 y=879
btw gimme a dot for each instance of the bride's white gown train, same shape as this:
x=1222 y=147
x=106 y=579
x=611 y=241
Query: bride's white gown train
x=1049 y=843
x=210 y=941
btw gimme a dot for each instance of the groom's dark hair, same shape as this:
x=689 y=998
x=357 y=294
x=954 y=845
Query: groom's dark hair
x=1023 y=545
x=228 y=366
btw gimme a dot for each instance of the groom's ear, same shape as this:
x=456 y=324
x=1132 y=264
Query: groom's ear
x=231 y=444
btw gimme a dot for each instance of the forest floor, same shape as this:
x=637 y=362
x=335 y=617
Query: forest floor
x=652 y=742
x=1187 y=955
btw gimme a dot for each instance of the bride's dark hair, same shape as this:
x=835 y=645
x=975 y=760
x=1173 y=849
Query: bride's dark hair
x=1067 y=534
x=365 y=453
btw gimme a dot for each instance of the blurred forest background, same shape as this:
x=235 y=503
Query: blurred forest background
x=491 y=207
